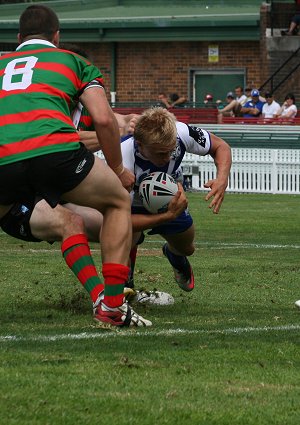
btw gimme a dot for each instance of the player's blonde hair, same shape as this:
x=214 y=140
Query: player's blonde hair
x=156 y=126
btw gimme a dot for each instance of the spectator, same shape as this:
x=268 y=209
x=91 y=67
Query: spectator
x=175 y=100
x=235 y=103
x=288 y=110
x=240 y=97
x=295 y=21
x=226 y=110
x=248 y=93
x=253 y=108
x=209 y=101
x=271 y=107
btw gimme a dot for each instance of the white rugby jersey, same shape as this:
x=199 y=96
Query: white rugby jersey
x=190 y=139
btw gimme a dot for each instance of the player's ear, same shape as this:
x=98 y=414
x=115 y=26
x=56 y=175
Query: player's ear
x=19 y=38
x=56 y=38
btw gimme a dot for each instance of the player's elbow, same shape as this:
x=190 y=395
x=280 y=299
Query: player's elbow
x=105 y=120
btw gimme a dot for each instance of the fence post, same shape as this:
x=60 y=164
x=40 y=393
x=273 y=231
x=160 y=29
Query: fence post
x=274 y=176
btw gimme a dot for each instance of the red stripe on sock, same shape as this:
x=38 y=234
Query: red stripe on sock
x=86 y=273
x=114 y=301
x=75 y=254
x=94 y=294
x=74 y=240
x=79 y=248
x=114 y=274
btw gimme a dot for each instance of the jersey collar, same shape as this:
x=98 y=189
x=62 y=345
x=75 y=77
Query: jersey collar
x=36 y=41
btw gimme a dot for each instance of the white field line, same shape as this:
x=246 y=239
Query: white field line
x=208 y=245
x=103 y=334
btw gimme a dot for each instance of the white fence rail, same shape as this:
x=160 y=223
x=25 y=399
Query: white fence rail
x=252 y=171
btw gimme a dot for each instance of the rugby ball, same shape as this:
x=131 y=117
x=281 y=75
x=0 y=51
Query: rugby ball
x=156 y=191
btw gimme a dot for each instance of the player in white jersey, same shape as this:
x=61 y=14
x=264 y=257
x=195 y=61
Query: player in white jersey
x=159 y=143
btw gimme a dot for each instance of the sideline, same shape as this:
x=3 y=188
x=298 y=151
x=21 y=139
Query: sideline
x=102 y=334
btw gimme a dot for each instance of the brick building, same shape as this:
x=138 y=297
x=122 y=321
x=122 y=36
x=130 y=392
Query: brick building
x=191 y=47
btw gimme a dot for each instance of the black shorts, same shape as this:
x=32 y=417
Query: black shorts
x=47 y=176
x=16 y=222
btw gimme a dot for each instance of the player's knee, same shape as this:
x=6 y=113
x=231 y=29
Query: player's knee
x=190 y=250
x=122 y=200
x=73 y=224
x=187 y=250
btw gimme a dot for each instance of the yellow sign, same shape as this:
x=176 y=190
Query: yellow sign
x=213 y=53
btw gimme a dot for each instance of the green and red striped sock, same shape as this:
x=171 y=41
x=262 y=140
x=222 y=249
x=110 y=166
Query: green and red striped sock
x=115 y=276
x=77 y=255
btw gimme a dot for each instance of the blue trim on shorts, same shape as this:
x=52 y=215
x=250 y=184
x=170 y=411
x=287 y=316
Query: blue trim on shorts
x=179 y=225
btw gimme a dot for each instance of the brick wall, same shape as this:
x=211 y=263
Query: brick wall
x=145 y=69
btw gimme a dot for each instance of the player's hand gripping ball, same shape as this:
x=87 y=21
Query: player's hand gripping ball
x=156 y=191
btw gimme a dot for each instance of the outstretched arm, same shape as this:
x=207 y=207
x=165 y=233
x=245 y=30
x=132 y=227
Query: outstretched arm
x=221 y=153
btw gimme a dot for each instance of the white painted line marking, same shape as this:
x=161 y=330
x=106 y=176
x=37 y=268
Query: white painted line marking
x=208 y=245
x=102 y=334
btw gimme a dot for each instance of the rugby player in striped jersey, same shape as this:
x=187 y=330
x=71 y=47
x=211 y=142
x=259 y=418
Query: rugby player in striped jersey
x=40 y=152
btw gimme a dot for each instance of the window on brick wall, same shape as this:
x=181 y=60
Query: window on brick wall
x=216 y=82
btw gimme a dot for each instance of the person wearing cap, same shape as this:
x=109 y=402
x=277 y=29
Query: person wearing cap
x=208 y=98
x=288 y=110
x=228 y=109
x=253 y=108
x=234 y=105
x=271 y=107
x=209 y=101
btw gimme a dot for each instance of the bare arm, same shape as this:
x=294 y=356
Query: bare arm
x=279 y=112
x=90 y=140
x=126 y=123
x=147 y=221
x=182 y=99
x=106 y=126
x=164 y=100
x=290 y=113
x=221 y=153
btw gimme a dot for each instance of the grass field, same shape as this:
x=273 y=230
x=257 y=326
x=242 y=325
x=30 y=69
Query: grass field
x=227 y=353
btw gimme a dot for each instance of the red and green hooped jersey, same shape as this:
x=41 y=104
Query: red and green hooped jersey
x=39 y=88
x=82 y=119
